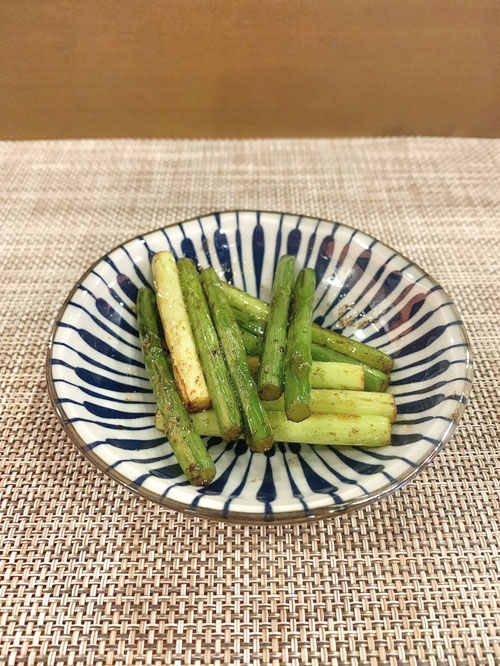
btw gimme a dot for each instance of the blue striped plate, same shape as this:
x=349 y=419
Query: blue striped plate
x=102 y=395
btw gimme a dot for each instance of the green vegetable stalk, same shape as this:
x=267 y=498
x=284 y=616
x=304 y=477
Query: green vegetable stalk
x=322 y=429
x=298 y=359
x=340 y=376
x=271 y=372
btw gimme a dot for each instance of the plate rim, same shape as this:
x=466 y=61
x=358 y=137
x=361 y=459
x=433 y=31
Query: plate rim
x=243 y=517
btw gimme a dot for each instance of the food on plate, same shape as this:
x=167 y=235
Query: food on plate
x=327 y=375
x=245 y=368
x=322 y=429
x=271 y=379
x=331 y=401
x=178 y=333
x=298 y=358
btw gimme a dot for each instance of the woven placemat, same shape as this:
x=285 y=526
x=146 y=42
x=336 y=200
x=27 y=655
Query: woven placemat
x=92 y=574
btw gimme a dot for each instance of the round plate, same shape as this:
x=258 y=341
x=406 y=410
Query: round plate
x=102 y=395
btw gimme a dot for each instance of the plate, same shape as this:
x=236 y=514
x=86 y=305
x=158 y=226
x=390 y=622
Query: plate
x=365 y=289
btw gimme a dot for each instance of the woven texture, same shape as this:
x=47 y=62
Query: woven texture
x=92 y=574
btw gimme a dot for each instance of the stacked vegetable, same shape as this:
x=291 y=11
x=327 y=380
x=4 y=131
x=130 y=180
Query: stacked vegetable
x=242 y=367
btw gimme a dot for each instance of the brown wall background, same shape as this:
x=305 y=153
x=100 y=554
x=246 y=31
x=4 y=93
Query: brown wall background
x=245 y=68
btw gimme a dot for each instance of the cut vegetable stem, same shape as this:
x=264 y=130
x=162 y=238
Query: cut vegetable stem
x=271 y=371
x=329 y=401
x=322 y=429
x=327 y=375
x=351 y=403
x=298 y=359
x=179 y=336
x=361 y=352
x=375 y=380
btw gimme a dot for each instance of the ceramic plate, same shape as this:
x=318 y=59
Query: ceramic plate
x=365 y=289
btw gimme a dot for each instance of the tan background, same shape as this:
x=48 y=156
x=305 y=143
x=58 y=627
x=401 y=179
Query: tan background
x=248 y=68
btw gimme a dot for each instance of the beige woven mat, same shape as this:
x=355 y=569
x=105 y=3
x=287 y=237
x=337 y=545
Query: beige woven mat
x=92 y=574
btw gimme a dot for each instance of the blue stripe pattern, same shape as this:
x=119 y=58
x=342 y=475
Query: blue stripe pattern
x=364 y=289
